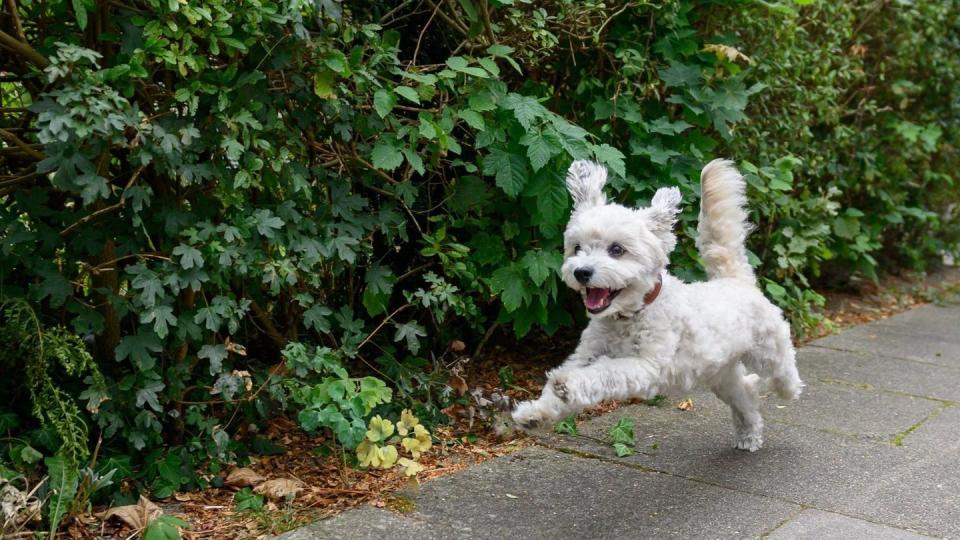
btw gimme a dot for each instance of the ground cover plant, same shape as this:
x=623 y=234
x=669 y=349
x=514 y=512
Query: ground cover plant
x=217 y=213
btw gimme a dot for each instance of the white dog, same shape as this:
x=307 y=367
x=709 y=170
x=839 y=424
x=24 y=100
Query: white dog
x=651 y=333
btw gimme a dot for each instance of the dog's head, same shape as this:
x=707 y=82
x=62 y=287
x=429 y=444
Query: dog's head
x=613 y=254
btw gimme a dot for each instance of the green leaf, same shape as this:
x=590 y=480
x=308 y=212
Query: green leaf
x=414 y=160
x=323 y=85
x=386 y=156
x=567 y=426
x=510 y=170
x=30 y=455
x=539 y=149
x=138 y=348
x=165 y=527
x=215 y=354
x=462 y=65
x=190 y=257
x=612 y=158
x=384 y=101
x=525 y=109
x=64 y=479
x=336 y=61
x=510 y=285
x=408 y=93
x=622 y=432
x=234 y=43
x=411 y=332
x=245 y=500
x=541 y=264
x=80 y=11
x=162 y=318
x=317 y=318
x=473 y=119
x=376 y=295
x=622 y=449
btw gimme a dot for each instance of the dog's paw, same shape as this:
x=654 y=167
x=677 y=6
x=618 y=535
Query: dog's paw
x=750 y=443
x=530 y=418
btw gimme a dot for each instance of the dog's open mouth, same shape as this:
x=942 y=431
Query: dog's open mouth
x=598 y=299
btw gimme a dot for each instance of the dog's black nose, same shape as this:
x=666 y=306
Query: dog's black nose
x=583 y=275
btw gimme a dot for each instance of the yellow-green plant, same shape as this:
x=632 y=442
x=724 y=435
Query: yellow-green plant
x=378 y=448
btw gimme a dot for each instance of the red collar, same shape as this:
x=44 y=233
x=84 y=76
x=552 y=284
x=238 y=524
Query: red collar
x=654 y=292
x=647 y=299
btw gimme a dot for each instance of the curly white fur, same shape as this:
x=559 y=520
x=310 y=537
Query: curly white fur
x=722 y=334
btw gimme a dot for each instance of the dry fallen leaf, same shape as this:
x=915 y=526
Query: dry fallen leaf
x=279 y=488
x=457 y=383
x=243 y=477
x=135 y=515
x=17 y=507
x=686 y=405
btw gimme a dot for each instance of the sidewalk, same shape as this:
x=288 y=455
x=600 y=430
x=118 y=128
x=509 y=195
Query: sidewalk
x=871 y=450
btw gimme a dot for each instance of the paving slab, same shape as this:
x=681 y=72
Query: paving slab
x=817 y=525
x=541 y=494
x=854 y=410
x=941 y=321
x=930 y=336
x=879 y=372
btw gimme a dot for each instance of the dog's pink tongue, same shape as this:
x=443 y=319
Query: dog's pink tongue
x=597 y=298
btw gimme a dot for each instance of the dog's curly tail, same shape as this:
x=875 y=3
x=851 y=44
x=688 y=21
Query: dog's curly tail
x=723 y=224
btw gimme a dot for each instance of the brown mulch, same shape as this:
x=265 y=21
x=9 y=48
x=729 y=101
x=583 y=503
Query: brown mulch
x=329 y=487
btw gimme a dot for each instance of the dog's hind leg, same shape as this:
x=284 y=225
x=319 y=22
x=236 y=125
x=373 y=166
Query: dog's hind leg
x=739 y=391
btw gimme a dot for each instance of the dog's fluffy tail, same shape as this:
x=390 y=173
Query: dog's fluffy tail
x=723 y=224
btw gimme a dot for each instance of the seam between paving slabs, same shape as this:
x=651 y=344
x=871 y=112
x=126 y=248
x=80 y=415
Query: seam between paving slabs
x=897 y=439
x=882 y=355
x=802 y=506
x=785 y=520
x=867 y=387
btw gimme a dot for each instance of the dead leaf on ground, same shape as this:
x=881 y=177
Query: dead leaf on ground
x=243 y=477
x=17 y=507
x=686 y=405
x=458 y=384
x=135 y=515
x=279 y=488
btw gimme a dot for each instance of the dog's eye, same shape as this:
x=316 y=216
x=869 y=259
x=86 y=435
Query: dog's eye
x=576 y=248
x=616 y=250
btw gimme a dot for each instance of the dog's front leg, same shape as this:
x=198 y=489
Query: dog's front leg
x=569 y=391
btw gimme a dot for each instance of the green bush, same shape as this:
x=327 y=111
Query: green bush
x=244 y=208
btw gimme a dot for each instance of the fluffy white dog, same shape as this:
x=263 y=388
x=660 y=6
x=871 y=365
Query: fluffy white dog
x=651 y=333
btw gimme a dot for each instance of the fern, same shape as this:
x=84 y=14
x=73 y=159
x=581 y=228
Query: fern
x=36 y=349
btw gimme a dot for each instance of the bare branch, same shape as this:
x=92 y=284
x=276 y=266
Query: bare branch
x=30 y=151
x=24 y=50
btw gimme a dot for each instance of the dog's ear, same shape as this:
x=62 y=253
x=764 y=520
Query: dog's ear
x=585 y=180
x=662 y=215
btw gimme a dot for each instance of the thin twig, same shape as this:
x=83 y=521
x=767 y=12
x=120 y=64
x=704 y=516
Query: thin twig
x=382 y=323
x=416 y=50
x=108 y=209
x=486 y=338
